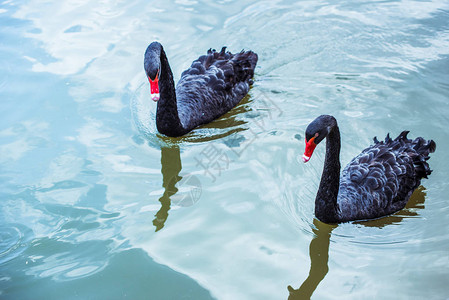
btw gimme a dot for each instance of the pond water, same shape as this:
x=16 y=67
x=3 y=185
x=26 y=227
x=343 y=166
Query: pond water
x=95 y=204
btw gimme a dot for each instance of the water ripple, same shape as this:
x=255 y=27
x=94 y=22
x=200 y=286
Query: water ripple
x=12 y=241
x=144 y=116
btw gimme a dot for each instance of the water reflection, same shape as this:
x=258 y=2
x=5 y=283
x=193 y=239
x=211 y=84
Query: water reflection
x=226 y=126
x=319 y=256
x=171 y=166
x=415 y=203
x=181 y=191
x=319 y=246
x=144 y=116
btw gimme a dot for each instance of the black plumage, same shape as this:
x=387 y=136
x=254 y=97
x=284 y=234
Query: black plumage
x=214 y=84
x=377 y=182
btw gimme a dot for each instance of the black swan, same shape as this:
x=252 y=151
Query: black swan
x=377 y=182
x=214 y=83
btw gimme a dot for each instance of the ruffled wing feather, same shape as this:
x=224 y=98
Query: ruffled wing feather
x=380 y=180
x=213 y=85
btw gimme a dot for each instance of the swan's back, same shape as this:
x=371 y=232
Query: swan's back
x=380 y=180
x=213 y=85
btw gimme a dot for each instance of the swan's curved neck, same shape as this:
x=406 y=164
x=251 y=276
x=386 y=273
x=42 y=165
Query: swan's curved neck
x=326 y=208
x=167 y=118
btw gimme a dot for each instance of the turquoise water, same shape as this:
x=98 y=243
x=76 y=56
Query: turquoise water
x=94 y=204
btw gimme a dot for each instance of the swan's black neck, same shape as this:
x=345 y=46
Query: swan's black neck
x=167 y=118
x=326 y=208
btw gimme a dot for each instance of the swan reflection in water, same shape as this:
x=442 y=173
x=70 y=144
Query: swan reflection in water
x=172 y=182
x=319 y=246
x=227 y=128
x=319 y=256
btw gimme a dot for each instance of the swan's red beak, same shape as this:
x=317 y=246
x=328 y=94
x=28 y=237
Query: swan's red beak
x=154 y=88
x=310 y=146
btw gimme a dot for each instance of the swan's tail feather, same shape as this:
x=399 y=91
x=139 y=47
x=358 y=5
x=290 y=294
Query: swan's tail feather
x=244 y=64
x=223 y=57
x=236 y=68
x=423 y=148
x=223 y=51
x=418 y=149
x=230 y=69
x=403 y=135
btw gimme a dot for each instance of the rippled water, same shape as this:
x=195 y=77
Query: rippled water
x=96 y=205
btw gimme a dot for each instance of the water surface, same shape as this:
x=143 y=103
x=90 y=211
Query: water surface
x=95 y=204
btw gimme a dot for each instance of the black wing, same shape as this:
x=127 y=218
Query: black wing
x=214 y=84
x=381 y=179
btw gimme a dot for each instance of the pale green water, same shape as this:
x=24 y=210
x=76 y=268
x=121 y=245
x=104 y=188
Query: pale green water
x=94 y=204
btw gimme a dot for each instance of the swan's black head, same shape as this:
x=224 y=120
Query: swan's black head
x=152 y=65
x=317 y=131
